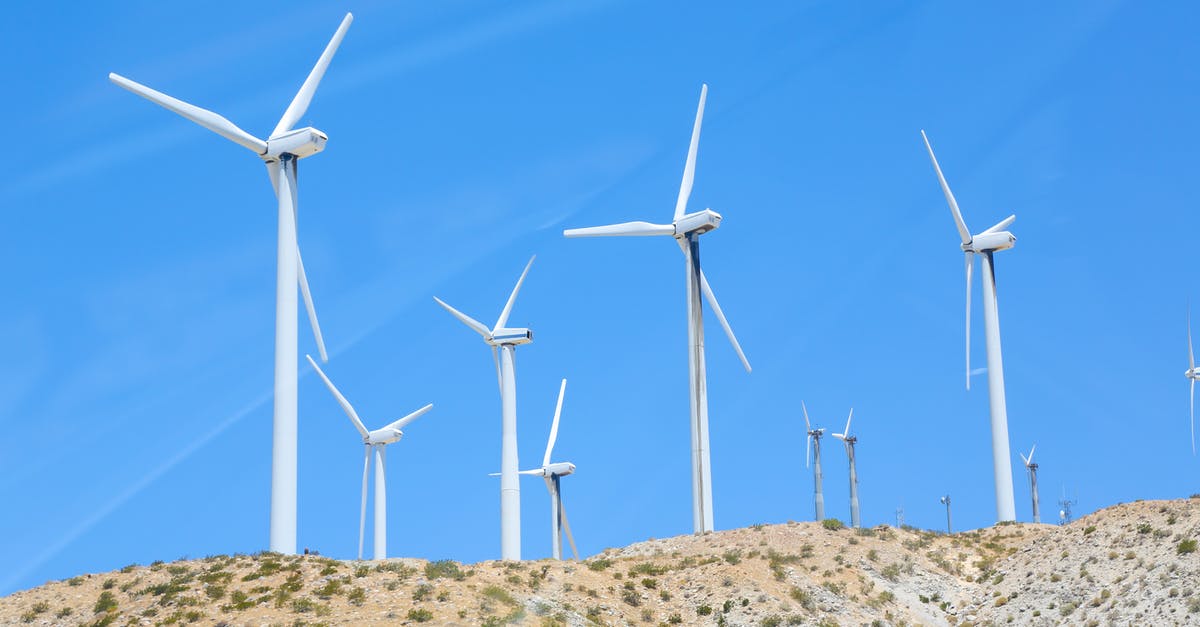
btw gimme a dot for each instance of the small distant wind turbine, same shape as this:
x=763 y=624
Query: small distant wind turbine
x=1065 y=505
x=373 y=441
x=1032 y=468
x=945 y=500
x=281 y=152
x=850 y=441
x=687 y=228
x=1192 y=373
x=984 y=244
x=552 y=473
x=814 y=446
x=504 y=342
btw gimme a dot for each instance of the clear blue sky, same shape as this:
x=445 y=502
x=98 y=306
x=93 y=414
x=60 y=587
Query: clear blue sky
x=139 y=254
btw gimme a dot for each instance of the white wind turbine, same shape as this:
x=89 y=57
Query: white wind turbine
x=1192 y=373
x=373 y=441
x=280 y=151
x=1032 y=468
x=813 y=446
x=850 y=441
x=552 y=473
x=504 y=342
x=984 y=244
x=686 y=228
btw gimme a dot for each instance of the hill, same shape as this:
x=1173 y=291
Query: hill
x=1134 y=563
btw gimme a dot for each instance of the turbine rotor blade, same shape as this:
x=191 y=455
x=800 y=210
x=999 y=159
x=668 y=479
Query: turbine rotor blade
x=362 y=510
x=209 y=120
x=808 y=451
x=499 y=373
x=1001 y=225
x=970 y=257
x=349 y=409
x=637 y=228
x=1031 y=453
x=475 y=325
x=689 y=168
x=566 y=527
x=308 y=305
x=716 y=307
x=1191 y=358
x=807 y=424
x=848 y=419
x=958 y=219
x=503 y=319
x=562 y=389
x=403 y=422
x=303 y=97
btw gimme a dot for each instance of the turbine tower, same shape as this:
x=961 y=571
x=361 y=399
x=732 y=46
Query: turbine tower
x=687 y=228
x=814 y=446
x=504 y=342
x=945 y=500
x=1192 y=373
x=850 y=441
x=1065 y=505
x=1032 y=468
x=552 y=473
x=373 y=442
x=985 y=244
x=281 y=152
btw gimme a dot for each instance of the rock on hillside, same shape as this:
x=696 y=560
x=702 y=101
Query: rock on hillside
x=1127 y=564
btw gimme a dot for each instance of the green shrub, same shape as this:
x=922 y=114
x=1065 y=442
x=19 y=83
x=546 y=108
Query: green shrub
x=1185 y=547
x=422 y=592
x=599 y=564
x=499 y=594
x=704 y=610
x=1089 y=530
x=106 y=603
x=357 y=596
x=803 y=597
x=650 y=583
x=444 y=569
x=831 y=524
x=421 y=615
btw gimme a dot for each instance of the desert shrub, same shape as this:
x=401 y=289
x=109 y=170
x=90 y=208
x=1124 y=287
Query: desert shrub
x=63 y=613
x=675 y=619
x=444 y=569
x=106 y=603
x=362 y=571
x=1089 y=530
x=891 y=572
x=704 y=610
x=420 y=615
x=422 y=592
x=1185 y=547
x=214 y=591
x=831 y=524
x=1144 y=528
x=630 y=597
x=499 y=594
x=332 y=587
x=803 y=597
x=772 y=621
x=599 y=564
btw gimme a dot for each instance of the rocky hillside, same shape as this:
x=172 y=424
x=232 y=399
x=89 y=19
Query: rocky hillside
x=1129 y=564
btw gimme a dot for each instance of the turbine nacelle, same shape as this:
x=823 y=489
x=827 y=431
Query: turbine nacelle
x=1192 y=373
x=560 y=469
x=510 y=337
x=988 y=241
x=300 y=143
x=697 y=223
x=383 y=436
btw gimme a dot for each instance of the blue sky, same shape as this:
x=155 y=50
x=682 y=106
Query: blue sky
x=464 y=136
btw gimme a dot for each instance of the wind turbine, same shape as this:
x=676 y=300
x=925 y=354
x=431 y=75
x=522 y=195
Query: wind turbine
x=1032 y=468
x=552 y=473
x=1192 y=373
x=280 y=152
x=984 y=244
x=504 y=342
x=850 y=441
x=687 y=228
x=373 y=441
x=813 y=445
x=945 y=500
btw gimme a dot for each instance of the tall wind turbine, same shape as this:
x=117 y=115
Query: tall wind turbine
x=373 y=441
x=1193 y=373
x=281 y=152
x=504 y=342
x=552 y=473
x=984 y=244
x=945 y=500
x=813 y=446
x=687 y=228
x=850 y=441
x=1032 y=467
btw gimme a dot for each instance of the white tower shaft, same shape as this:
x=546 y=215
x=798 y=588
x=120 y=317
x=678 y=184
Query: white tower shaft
x=1037 y=514
x=819 y=496
x=510 y=484
x=380 y=502
x=284 y=436
x=854 y=520
x=702 y=512
x=556 y=516
x=1006 y=509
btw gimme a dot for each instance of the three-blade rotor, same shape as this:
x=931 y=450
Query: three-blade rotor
x=676 y=229
x=1028 y=461
x=845 y=436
